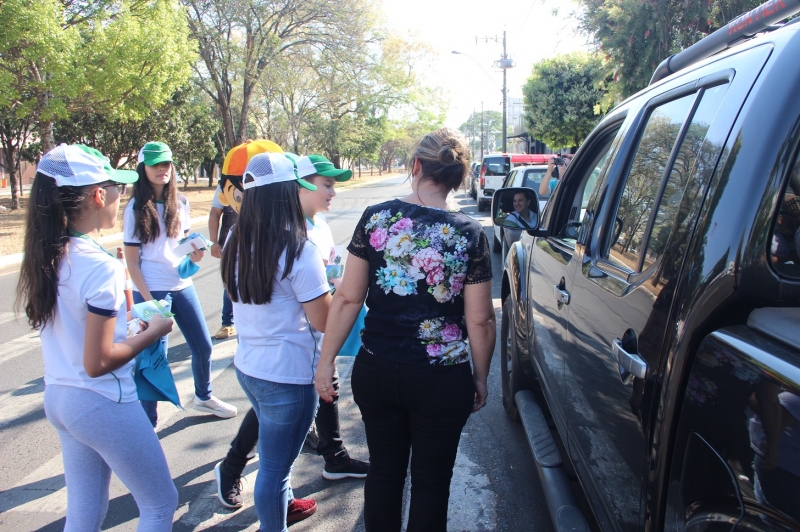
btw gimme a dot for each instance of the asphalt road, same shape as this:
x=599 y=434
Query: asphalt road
x=494 y=485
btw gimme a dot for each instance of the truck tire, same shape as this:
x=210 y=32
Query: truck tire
x=509 y=365
x=481 y=205
x=473 y=192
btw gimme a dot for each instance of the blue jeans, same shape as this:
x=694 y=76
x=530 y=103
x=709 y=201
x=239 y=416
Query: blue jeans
x=284 y=415
x=192 y=323
x=227 y=309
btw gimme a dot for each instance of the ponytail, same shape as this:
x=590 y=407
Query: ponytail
x=46 y=236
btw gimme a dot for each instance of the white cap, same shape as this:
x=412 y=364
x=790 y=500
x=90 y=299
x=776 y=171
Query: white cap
x=77 y=165
x=305 y=167
x=268 y=168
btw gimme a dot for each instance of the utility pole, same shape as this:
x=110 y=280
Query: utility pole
x=472 y=143
x=483 y=123
x=504 y=63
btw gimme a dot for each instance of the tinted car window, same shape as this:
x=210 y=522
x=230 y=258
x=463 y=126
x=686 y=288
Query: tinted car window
x=683 y=185
x=497 y=165
x=532 y=178
x=784 y=241
x=644 y=179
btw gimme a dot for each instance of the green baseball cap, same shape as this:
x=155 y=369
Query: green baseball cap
x=317 y=164
x=153 y=153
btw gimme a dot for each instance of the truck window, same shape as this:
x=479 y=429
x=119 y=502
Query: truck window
x=644 y=180
x=683 y=185
x=784 y=242
x=496 y=166
x=533 y=178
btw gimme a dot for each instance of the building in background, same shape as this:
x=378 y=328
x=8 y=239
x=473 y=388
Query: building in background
x=519 y=140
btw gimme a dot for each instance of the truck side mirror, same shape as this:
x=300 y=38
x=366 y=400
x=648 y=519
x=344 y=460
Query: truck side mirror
x=515 y=208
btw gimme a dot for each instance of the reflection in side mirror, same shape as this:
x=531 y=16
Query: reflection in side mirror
x=515 y=208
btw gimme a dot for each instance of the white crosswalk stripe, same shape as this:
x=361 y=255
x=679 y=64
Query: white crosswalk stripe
x=43 y=490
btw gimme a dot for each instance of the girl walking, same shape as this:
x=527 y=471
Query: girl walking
x=154 y=220
x=280 y=295
x=73 y=292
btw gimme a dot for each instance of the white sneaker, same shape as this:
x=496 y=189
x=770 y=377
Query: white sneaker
x=214 y=406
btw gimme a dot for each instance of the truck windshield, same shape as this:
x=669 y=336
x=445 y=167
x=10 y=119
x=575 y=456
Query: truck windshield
x=497 y=166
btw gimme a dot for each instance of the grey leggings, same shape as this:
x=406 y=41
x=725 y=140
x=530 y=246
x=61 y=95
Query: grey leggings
x=97 y=436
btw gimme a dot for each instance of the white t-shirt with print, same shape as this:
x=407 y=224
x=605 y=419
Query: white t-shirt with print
x=276 y=341
x=158 y=262
x=89 y=280
x=319 y=233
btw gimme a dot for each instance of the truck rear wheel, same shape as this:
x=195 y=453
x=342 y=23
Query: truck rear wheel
x=481 y=205
x=509 y=365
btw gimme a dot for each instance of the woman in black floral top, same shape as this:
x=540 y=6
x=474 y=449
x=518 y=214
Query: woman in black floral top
x=425 y=273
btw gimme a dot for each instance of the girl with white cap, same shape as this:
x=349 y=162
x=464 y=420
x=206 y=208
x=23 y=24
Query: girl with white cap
x=153 y=222
x=280 y=295
x=73 y=292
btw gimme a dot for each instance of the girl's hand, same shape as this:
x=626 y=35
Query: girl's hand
x=216 y=250
x=196 y=255
x=161 y=325
x=481 y=393
x=323 y=382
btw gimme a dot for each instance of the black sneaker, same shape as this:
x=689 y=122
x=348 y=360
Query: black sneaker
x=351 y=468
x=229 y=488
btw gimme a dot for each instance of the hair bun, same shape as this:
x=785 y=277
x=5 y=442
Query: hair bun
x=451 y=153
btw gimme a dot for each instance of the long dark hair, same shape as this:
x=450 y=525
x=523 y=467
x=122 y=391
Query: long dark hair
x=144 y=207
x=50 y=209
x=270 y=221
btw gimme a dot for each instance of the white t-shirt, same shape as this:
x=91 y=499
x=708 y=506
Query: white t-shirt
x=158 y=262
x=320 y=234
x=215 y=200
x=89 y=280
x=276 y=341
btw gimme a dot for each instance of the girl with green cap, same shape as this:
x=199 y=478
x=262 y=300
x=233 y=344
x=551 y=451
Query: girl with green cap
x=155 y=219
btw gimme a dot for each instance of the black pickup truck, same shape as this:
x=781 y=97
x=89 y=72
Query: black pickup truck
x=656 y=305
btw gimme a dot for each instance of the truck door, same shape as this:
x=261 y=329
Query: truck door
x=552 y=266
x=623 y=291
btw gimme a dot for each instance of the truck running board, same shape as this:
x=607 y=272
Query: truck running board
x=564 y=511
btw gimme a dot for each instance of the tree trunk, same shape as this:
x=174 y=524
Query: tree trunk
x=9 y=150
x=46 y=132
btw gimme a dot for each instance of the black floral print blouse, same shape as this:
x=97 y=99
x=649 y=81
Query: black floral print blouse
x=419 y=258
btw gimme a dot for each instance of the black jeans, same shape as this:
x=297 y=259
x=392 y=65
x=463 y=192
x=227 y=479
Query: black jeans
x=405 y=408
x=330 y=445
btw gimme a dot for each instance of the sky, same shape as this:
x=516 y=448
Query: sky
x=533 y=33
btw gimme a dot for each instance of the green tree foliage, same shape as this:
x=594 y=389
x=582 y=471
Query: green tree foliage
x=115 y=57
x=186 y=123
x=563 y=98
x=240 y=40
x=636 y=36
x=484 y=130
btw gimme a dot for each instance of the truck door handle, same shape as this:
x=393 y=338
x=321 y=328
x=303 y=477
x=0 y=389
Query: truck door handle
x=562 y=296
x=629 y=362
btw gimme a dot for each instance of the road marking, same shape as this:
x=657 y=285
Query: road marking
x=472 y=506
x=20 y=346
x=43 y=490
x=6 y=317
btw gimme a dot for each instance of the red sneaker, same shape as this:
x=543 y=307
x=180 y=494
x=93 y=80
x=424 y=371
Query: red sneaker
x=299 y=509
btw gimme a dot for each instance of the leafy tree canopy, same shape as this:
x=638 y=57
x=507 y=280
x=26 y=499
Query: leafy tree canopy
x=636 y=36
x=563 y=98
